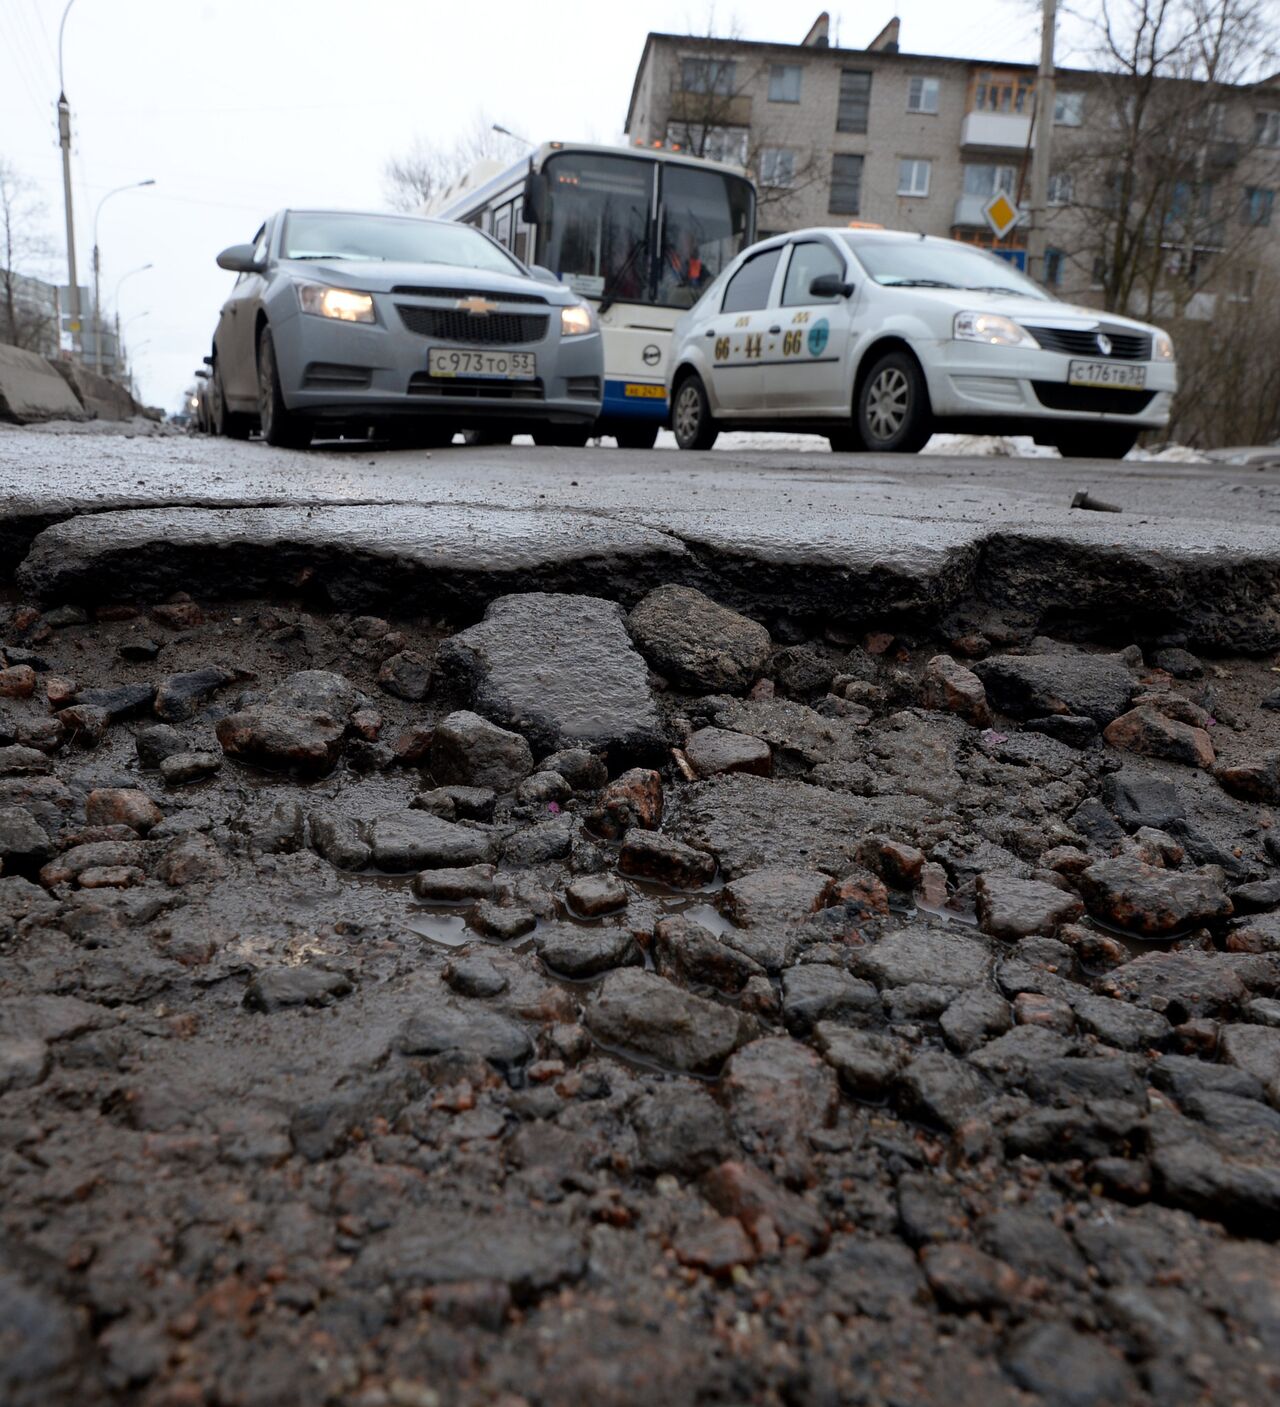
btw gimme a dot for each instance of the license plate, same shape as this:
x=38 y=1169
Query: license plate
x=496 y=366
x=1123 y=378
x=638 y=389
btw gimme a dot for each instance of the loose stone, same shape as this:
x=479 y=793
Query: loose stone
x=698 y=644
x=470 y=751
x=180 y=768
x=648 y=855
x=712 y=751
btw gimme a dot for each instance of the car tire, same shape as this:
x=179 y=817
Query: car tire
x=280 y=427
x=230 y=423
x=637 y=437
x=893 y=414
x=691 y=418
x=1096 y=442
x=487 y=437
x=562 y=436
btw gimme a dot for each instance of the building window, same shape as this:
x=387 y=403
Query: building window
x=1257 y=205
x=922 y=95
x=714 y=143
x=708 y=76
x=777 y=166
x=855 y=100
x=846 y=185
x=784 y=83
x=1098 y=274
x=1266 y=129
x=984 y=180
x=1068 y=109
x=1243 y=284
x=913 y=176
x=1061 y=188
x=1002 y=92
x=1053 y=267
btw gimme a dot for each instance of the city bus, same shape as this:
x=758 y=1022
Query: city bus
x=639 y=232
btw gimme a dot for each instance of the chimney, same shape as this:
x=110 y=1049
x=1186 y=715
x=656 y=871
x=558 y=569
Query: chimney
x=819 y=35
x=886 y=42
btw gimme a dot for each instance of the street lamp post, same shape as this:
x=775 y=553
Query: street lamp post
x=64 y=141
x=115 y=297
x=97 y=270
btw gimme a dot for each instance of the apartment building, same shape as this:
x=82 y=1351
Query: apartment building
x=921 y=142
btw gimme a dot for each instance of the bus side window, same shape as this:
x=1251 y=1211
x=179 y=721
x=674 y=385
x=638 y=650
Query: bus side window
x=522 y=245
x=502 y=226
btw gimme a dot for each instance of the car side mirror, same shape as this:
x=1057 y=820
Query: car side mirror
x=829 y=286
x=543 y=275
x=239 y=259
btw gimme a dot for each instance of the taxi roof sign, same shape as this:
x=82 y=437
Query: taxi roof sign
x=1001 y=214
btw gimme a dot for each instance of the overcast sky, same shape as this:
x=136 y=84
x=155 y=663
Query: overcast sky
x=239 y=107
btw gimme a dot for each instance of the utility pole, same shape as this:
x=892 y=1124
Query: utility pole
x=1042 y=156
x=64 y=140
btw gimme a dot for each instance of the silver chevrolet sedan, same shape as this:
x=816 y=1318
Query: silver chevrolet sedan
x=342 y=321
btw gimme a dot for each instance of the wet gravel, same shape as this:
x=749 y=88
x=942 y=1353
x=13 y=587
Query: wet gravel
x=431 y=1012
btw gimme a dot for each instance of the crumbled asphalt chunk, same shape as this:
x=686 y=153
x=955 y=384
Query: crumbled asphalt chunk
x=1030 y=686
x=279 y=987
x=1150 y=901
x=561 y=670
x=404 y=841
x=697 y=643
x=441 y=1025
x=181 y=696
x=585 y=952
x=468 y=750
x=640 y=1012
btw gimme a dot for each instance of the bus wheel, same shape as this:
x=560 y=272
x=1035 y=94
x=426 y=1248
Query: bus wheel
x=637 y=437
x=563 y=436
x=691 y=415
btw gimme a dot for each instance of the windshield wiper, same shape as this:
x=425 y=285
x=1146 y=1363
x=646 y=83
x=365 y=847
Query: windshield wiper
x=608 y=296
x=367 y=258
x=919 y=283
x=990 y=288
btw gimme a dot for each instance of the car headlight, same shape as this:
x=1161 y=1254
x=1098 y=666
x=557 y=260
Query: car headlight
x=577 y=319
x=992 y=328
x=1163 y=347
x=340 y=303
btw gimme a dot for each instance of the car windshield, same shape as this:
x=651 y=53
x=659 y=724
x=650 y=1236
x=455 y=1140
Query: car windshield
x=390 y=239
x=920 y=263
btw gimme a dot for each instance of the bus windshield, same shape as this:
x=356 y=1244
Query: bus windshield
x=600 y=236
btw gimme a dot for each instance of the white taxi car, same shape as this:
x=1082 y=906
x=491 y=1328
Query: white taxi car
x=877 y=338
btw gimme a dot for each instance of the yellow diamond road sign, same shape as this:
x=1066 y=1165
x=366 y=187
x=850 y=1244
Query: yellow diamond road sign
x=1002 y=214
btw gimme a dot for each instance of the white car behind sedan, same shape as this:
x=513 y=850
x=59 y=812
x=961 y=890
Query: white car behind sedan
x=877 y=338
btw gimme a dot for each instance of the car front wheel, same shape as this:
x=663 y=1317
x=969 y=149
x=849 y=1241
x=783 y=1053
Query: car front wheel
x=279 y=425
x=691 y=417
x=893 y=406
x=1096 y=442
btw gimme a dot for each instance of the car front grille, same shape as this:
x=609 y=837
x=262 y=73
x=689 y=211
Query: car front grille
x=1076 y=342
x=413 y=290
x=588 y=387
x=331 y=375
x=489 y=329
x=459 y=388
x=1102 y=400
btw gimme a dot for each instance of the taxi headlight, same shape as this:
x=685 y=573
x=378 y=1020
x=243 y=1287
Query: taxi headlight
x=340 y=303
x=991 y=328
x=577 y=319
x=1163 y=347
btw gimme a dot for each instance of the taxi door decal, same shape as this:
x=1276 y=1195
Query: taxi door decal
x=818 y=335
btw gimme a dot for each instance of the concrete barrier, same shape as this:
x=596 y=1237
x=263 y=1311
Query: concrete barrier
x=102 y=399
x=31 y=389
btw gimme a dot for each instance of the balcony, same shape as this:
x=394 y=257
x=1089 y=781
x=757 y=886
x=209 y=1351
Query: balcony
x=996 y=131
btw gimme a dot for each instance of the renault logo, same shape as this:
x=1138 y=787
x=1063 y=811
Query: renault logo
x=476 y=306
x=1104 y=344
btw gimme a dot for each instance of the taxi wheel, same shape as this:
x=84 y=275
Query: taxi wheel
x=637 y=437
x=279 y=425
x=893 y=406
x=1096 y=442
x=691 y=417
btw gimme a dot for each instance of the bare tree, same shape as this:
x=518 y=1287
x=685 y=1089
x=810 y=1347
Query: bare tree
x=26 y=319
x=1160 y=170
x=710 y=116
x=427 y=169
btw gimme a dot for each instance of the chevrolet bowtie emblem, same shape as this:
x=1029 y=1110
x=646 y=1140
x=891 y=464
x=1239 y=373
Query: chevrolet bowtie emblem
x=478 y=307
